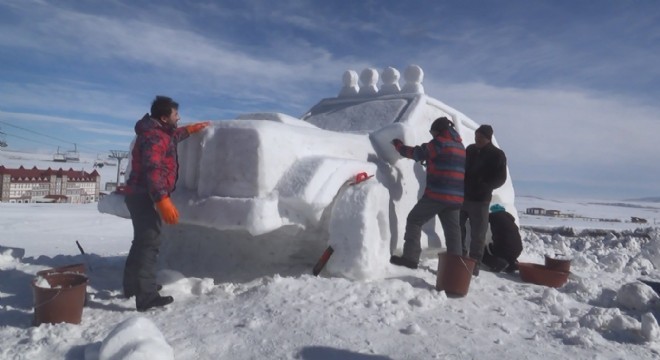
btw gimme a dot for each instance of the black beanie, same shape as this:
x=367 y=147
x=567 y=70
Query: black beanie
x=486 y=130
x=441 y=124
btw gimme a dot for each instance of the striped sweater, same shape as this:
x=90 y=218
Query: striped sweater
x=445 y=166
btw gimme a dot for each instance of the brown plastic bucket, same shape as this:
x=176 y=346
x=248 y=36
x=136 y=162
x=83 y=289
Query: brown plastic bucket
x=559 y=264
x=74 y=268
x=63 y=301
x=542 y=275
x=454 y=273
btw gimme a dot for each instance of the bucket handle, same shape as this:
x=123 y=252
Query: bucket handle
x=464 y=264
x=49 y=300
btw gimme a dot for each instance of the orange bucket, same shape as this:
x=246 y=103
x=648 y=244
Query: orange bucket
x=75 y=268
x=454 y=273
x=61 y=302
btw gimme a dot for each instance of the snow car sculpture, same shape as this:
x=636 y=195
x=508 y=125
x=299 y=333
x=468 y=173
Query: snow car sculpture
x=270 y=187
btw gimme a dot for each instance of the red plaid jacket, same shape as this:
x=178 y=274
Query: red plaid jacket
x=154 y=162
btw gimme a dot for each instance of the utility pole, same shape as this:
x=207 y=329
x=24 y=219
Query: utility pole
x=119 y=155
x=3 y=143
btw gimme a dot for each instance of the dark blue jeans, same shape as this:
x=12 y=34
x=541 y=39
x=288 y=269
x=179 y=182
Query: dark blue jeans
x=140 y=269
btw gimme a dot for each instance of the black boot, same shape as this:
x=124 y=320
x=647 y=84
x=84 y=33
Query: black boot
x=475 y=271
x=158 y=301
x=129 y=293
x=495 y=264
x=513 y=266
x=401 y=261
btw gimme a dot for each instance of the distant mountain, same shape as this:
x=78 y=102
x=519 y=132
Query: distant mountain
x=655 y=199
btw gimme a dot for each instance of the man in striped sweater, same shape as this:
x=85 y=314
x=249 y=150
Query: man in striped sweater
x=444 y=156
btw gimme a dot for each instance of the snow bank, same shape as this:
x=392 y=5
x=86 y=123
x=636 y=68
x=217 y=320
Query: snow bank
x=136 y=338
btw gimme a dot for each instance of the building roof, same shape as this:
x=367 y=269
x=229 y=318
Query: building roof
x=39 y=175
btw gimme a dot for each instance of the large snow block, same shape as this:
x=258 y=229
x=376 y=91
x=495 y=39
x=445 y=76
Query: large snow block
x=361 y=242
x=113 y=204
x=382 y=141
x=247 y=158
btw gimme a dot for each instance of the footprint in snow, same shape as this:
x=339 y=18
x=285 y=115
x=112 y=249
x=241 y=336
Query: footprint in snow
x=412 y=329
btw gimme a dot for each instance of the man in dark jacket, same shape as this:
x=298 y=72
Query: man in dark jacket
x=154 y=171
x=445 y=166
x=485 y=171
x=503 y=252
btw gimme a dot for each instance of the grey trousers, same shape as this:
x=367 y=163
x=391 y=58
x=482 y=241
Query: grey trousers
x=423 y=211
x=477 y=212
x=140 y=269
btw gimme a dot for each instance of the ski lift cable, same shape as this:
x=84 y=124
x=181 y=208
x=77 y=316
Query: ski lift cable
x=48 y=136
x=27 y=139
x=35 y=132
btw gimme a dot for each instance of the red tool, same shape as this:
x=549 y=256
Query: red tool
x=324 y=259
x=361 y=177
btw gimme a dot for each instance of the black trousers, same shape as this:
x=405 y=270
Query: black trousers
x=477 y=212
x=140 y=269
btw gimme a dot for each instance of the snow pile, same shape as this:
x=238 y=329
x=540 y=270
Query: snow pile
x=135 y=338
x=625 y=310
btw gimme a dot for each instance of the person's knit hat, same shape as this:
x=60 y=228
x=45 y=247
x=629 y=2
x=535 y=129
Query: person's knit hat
x=486 y=130
x=441 y=124
x=496 y=208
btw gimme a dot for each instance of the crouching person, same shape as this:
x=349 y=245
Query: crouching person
x=503 y=252
x=443 y=196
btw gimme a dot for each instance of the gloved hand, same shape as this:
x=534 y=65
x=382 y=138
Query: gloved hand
x=167 y=211
x=197 y=127
x=397 y=143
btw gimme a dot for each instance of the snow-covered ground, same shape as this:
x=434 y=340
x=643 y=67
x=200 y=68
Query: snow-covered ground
x=602 y=312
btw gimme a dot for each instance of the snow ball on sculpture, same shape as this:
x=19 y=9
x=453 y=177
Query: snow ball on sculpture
x=351 y=87
x=390 y=78
x=414 y=75
x=368 y=81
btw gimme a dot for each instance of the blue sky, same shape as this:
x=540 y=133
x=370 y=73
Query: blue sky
x=571 y=87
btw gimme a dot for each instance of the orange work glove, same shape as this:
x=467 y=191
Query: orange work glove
x=167 y=211
x=197 y=127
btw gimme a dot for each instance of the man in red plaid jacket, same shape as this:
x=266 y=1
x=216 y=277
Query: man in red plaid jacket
x=154 y=171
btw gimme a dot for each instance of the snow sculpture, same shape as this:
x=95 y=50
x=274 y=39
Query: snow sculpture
x=414 y=75
x=351 y=87
x=390 y=78
x=368 y=80
x=290 y=192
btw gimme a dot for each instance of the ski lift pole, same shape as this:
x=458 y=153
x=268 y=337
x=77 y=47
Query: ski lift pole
x=3 y=142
